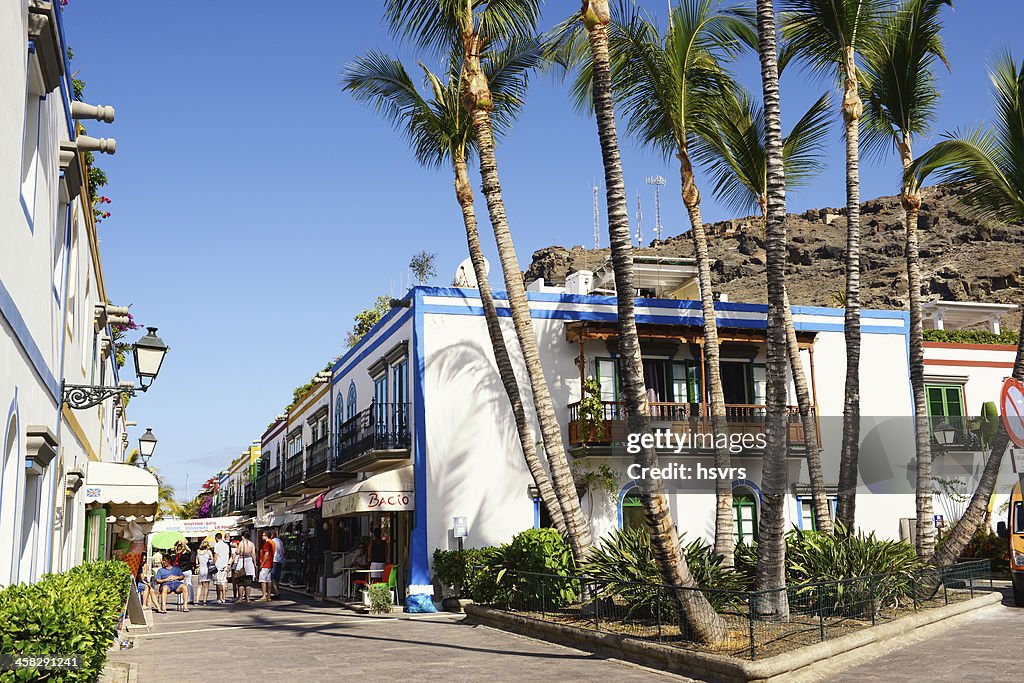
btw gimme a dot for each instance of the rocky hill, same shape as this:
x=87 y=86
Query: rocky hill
x=962 y=259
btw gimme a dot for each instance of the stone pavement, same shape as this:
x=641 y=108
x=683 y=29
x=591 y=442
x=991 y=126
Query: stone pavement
x=985 y=646
x=297 y=640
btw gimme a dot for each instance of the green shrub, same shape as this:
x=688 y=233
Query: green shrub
x=452 y=567
x=380 y=598
x=813 y=557
x=985 y=544
x=624 y=563
x=503 y=574
x=971 y=336
x=69 y=614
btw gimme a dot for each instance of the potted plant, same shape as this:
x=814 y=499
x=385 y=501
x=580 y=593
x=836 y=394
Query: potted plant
x=591 y=412
x=380 y=598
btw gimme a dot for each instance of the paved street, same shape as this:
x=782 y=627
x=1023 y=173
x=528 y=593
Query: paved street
x=303 y=641
x=984 y=647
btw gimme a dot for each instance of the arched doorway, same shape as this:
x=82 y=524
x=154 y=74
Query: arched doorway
x=631 y=509
x=744 y=515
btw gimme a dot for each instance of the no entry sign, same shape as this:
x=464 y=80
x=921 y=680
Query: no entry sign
x=1011 y=407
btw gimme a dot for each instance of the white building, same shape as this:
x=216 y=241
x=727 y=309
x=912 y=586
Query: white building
x=54 y=317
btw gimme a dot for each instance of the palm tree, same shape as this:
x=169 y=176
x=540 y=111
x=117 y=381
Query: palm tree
x=985 y=164
x=668 y=87
x=439 y=132
x=901 y=101
x=770 y=572
x=736 y=158
x=828 y=35
x=480 y=28
x=708 y=626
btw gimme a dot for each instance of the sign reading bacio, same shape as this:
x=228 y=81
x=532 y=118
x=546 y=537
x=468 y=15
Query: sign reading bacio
x=370 y=501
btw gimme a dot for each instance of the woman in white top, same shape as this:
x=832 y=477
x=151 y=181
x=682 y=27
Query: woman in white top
x=203 y=560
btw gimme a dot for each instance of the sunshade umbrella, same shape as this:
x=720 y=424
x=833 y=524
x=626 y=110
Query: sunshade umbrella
x=166 y=539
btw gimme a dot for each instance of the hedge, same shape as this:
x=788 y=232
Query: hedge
x=74 y=613
x=971 y=337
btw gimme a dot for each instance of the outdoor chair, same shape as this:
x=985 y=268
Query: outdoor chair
x=388 y=576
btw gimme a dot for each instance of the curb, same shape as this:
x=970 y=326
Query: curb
x=722 y=667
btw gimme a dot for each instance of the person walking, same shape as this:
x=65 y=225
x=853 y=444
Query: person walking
x=221 y=558
x=245 y=567
x=266 y=566
x=184 y=560
x=278 y=562
x=378 y=555
x=169 y=579
x=204 y=559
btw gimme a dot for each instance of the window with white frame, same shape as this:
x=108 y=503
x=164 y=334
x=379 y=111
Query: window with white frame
x=809 y=520
x=351 y=401
x=30 y=153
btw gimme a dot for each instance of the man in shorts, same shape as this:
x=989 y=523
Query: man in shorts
x=266 y=566
x=275 y=573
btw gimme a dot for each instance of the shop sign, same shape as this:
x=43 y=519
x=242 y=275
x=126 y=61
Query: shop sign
x=460 y=529
x=369 y=501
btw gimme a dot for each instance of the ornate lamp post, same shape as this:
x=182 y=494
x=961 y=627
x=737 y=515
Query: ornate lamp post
x=148 y=354
x=147 y=444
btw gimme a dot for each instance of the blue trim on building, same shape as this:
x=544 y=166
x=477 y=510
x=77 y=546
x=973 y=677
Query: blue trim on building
x=630 y=485
x=750 y=485
x=419 y=559
x=13 y=316
x=19 y=474
x=536 y=513
x=388 y=317
x=352 y=361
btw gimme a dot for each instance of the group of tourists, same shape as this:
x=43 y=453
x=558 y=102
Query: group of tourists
x=225 y=560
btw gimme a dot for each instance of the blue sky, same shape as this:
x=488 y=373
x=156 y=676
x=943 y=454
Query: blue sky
x=255 y=208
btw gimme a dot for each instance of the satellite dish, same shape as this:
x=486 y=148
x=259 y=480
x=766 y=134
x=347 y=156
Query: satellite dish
x=465 y=276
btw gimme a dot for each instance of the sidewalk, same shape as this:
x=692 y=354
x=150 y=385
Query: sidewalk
x=300 y=640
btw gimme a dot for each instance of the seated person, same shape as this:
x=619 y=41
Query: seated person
x=169 y=579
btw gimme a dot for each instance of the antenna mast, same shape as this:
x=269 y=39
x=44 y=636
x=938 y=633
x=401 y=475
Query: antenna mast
x=658 y=182
x=639 y=221
x=597 y=220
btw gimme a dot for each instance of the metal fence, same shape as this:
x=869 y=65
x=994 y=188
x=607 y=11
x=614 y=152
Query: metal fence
x=757 y=623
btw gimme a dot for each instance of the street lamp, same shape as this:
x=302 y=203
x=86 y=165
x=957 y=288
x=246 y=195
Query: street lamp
x=944 y=433
x=148 y=353
x=147 y=444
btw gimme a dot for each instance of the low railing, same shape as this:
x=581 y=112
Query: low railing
x=381 y=427
x=688 y=417
x=293 y=471
x=247 y=495
x=274 y=480
x=318 y=458
x=756 y=624
x=260 y=488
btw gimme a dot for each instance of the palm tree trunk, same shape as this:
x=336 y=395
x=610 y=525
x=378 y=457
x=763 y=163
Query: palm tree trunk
x=852 y=110
x=478 y=102
x=968 y=524
x=464 y=193
x=724 y=542
x=922 y=433
x=770 y=572
x=808 y=419
x=690 y=604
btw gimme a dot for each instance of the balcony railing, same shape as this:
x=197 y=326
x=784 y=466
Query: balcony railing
x=293 y=472
x=689 y=417
x=260 y=489
x=274 y=480
x=381 y=427
x=318 y=458
x=247 y=495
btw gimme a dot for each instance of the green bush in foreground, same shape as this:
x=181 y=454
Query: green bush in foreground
x=453 y=567
x=497 y=577
x=70 y=614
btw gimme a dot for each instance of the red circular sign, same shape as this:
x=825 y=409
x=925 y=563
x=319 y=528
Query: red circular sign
x=1011 y=407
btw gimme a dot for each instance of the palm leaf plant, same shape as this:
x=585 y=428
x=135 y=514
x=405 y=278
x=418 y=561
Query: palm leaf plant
x=481 y=30
x=901 y=105
x=987 y=165
x=827 y=36
x=439 y=132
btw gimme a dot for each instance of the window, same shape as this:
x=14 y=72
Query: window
x=339 y=412
x=744 y=517
x=30 y=155
x=633 y=510
x=316 y=433
x=946 y=402
x=608 y=378
x=400 y=388
x=59 y=249
x=1018 y=518
x=808 y=520
x=351 y=400
x=380 y=401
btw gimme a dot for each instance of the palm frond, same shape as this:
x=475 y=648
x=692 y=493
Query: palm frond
x=987 y=164
x=803 y=150
x=429 y=24
x=818 y=32
x=898 y=75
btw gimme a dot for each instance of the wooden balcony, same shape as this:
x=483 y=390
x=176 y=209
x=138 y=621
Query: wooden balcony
x=680 y=418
